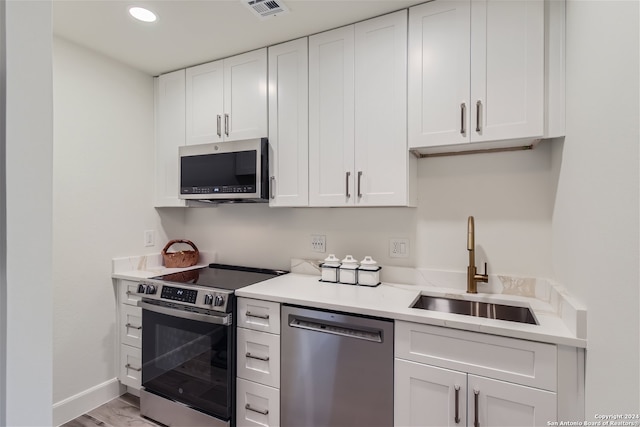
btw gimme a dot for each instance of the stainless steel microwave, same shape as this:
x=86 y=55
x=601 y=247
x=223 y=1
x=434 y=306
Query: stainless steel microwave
x=233 y=171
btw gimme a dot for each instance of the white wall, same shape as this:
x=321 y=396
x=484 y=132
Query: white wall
x=510 y=194
x=29 y=139
x=102 y=182
x=595 y=222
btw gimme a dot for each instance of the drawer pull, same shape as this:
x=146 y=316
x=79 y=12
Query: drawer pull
x=457 y=417
x=129 y=325
x=132 y=368
x=253 y=356
x=263 y=412
x=259 y=316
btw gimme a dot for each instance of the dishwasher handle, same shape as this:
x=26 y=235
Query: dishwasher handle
x=342 y=330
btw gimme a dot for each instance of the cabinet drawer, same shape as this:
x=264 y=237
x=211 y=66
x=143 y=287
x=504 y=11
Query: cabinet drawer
x=509 y=359
x=130 y=366
x=259 y=315
x=257 y=404
x=259 y=357
x=127 y=291
x=131 y=325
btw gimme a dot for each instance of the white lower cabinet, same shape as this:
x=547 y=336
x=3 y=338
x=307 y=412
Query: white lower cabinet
x=257 y=404
x=129 y=335
x=258 y=363
x=434 y=394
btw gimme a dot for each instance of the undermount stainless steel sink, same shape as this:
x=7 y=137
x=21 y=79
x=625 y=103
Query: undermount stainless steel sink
x=476 y=308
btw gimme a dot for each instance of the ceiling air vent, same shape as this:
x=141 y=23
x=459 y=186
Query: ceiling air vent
x=264 y=9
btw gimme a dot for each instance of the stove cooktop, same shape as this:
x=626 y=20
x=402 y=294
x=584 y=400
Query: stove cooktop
x=222 y=276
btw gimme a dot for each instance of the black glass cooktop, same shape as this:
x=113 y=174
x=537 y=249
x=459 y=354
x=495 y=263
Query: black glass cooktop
x=222 y=276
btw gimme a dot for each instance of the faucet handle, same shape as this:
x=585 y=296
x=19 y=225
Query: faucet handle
x=485 y=269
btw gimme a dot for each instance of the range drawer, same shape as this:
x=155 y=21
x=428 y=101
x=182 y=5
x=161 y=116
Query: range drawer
x=259 y=357
x=259 y=315
x=509 y=359
x=131 y=325
x=257 y=405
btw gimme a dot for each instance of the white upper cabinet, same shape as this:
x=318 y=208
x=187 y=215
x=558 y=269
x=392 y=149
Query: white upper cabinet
x=227 y=99
x=331 y=117
x=357 y=115
x=476 y=72
x=289 y=124
x=170 y=125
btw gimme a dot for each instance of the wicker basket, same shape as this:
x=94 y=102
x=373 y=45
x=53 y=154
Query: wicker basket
x=182 y=258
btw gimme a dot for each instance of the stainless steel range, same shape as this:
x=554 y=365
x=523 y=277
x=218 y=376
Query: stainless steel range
x=188 y=344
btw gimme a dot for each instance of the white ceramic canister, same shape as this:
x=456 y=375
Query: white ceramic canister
x=330 y=269
x=369 y=272
x=349 y=270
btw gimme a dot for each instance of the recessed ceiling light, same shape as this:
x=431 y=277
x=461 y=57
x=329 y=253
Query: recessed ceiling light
x=142 y=14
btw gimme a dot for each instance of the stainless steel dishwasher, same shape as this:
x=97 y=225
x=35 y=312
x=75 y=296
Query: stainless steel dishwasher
x=336 y=369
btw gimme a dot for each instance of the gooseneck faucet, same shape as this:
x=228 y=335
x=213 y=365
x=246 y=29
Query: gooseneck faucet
x=472 y=274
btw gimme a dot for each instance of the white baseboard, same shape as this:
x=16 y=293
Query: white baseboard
x=83 y=402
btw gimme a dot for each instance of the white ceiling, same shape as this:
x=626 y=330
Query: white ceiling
x=193 y=32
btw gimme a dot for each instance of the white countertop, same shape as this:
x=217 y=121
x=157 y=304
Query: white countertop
x=393 y=301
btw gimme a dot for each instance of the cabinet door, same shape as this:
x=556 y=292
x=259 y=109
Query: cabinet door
x=331 y=118
x=499 y=403
x=428 y=396
x=205 y=103
x=507 y=69
x=381 y=154
x=257 y=405
x=289 y=123
x=128 y=292
x=170 y=134
x=245 y=96
x=439 y=73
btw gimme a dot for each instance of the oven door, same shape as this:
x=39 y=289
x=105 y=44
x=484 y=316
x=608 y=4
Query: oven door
x=187 y=356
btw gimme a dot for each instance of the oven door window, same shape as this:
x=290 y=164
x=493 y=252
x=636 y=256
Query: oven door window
x=187 y=361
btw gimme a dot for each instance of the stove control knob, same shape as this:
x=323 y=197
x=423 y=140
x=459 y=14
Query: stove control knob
x=208 y=299
x=151 y=289
x=219 y=301
x=142 y=288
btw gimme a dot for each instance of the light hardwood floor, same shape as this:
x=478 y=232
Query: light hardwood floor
x=123 y=411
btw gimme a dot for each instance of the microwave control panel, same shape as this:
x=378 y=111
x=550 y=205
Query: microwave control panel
x=225 y=189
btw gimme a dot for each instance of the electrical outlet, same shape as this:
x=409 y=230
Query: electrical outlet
x=149 y=238
x=398 y=248
x=318 y=243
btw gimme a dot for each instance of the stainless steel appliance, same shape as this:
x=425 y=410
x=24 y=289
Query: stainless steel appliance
x=188 y=344
x=339 y=369
x=232 y=171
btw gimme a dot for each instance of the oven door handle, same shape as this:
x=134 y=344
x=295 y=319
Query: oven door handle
x=209 y=318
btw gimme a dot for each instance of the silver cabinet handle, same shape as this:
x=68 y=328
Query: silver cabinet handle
x=259 y=411
x=463 y=115
x=272 y=184
x=359 y=183
x=127 y=366
x=259 y=316
x=346 y=181
x=478 y=108
x=226 y=124
x=129 y=325
x=219 y=125
x=476 y=392
x=253 y=356
x=457 y=416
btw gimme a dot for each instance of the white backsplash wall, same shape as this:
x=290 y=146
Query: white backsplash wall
x=510 y=194
x=103 y=197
